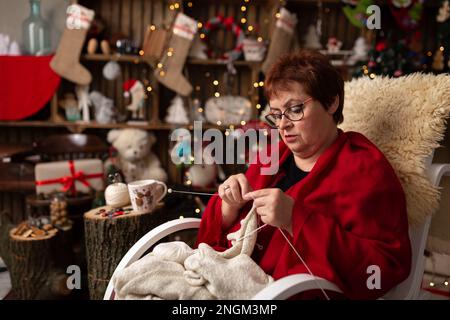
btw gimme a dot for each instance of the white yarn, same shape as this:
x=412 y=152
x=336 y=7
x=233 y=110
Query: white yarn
x=116 y=195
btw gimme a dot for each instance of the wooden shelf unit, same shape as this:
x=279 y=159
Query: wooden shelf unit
x=80 y=126
x=136 y=59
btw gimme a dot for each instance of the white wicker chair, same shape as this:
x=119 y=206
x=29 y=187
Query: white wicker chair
x=293 y=284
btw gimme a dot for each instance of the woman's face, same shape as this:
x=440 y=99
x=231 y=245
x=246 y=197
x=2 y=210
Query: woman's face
x=308 y=136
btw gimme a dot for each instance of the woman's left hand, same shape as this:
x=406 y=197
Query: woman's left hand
x=274 y=207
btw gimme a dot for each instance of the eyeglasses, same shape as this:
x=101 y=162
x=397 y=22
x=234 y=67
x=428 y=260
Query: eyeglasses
x=294 y=113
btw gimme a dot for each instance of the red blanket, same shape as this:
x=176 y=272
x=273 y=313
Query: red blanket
x=27 y=83
x=349 y=215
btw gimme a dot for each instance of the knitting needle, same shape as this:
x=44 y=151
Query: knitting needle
x=170 y=190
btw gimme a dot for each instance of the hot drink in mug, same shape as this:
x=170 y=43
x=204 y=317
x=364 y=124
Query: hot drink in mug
x=145 y=194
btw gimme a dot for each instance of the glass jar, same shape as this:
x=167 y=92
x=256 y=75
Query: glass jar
x=58 y=211
x=36 y=34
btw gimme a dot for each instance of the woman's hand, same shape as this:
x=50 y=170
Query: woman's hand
x=274 y=207
x=232 y=192
x=233 y=189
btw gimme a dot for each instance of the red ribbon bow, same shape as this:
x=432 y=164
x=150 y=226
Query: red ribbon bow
x=68 y=182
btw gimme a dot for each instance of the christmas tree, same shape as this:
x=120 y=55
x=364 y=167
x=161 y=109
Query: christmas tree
x=176 y=113
x=389 y=57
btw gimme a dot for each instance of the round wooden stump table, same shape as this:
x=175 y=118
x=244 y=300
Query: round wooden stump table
x=109 y=238
x=33 y=268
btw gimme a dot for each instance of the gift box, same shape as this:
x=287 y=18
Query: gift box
x=69 y=176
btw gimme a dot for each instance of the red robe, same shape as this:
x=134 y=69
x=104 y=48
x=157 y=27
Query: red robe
x=349 y=213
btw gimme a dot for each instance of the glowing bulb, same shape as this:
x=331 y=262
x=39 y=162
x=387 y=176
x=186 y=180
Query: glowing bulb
x=197 y=210
x=256 y=84
x=216 y=94
x=199 y=25
x=231 y=126
x=243 y=123
x=181 y=217
x=170 y=49
x=261 y=83
x=431 y=284
x=219 y=123
x=202 y=36
x=188 y=182
x=149 y=88
x=215 y=82
x=177 y=5
x=277 y=15
x=152 y=27
x=441 y=48
x=141 y=52
x=258 y=106
x=243 y=8
x=265 y=133
x=200 y=109
x=190 y=4
x=227 y=133
x=192 y=158
x=169 y=54
x=162 y=73
x=260 y=39
x=169 y=190
x=250 y=28
x=171 y=7
x=159 y=65
x=372 y=76
x=243 y=20
x=446 y=283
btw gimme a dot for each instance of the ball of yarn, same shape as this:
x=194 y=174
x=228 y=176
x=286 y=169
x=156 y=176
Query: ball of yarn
x=116 y=195
x=111 y=70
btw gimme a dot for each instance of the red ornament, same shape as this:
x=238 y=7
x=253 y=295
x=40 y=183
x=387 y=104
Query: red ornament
x=381 y=46
x=398 y=73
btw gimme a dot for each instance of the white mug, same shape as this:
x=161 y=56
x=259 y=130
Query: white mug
x=144 y=194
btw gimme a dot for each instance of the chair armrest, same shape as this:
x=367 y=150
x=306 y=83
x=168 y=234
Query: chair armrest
x=436 y=171
x=290 y=285
x=148 y=240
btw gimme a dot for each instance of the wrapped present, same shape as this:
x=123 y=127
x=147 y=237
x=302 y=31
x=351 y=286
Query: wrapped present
x=69 y=176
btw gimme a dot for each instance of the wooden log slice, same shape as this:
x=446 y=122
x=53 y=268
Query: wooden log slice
x=109 y=239
x=32 y=267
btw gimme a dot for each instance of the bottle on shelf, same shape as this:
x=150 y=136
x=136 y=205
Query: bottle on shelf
x=36 y=32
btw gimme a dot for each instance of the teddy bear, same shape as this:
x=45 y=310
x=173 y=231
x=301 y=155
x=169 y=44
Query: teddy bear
x=135 y=157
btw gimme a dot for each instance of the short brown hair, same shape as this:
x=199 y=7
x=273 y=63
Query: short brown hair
x=314 y=72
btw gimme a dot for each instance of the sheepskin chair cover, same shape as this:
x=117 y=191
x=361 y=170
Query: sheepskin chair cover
x=406 y=118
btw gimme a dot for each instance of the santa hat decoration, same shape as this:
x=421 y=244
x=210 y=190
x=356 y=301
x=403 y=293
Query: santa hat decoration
x=127 y=86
